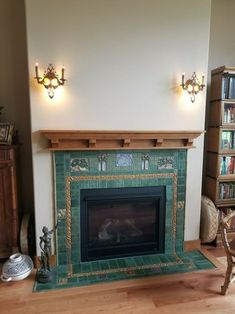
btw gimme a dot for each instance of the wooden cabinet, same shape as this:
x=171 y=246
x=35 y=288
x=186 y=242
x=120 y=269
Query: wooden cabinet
x=9 y=216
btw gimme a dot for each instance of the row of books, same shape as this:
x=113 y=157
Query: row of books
x=228 y=86
x=228 y=140
x=229 y=114
x=227 y=165
x=226 y=190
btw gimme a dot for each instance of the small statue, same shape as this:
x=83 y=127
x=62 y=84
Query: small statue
x=45 y=245
x=45 y=273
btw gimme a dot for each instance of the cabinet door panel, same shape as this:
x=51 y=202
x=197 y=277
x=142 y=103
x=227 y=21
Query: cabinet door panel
x=5 y=210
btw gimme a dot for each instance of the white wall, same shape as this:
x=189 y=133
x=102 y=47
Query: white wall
x=123 y=62
x=222 y=43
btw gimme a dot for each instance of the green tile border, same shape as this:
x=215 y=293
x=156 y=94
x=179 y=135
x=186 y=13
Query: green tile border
x=63 y=172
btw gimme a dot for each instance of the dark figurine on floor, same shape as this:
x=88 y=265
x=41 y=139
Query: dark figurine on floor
x=45 y=273
x=45 y=245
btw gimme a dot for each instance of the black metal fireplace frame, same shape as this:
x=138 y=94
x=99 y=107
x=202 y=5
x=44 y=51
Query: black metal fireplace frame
x=156 y=193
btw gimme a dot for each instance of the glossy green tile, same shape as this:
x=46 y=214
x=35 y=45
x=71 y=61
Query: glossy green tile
x=63 y=169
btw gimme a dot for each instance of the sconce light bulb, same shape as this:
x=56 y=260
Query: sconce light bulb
x=54 y=82
x=190 y=88
x=46 y=81
x=196 y=88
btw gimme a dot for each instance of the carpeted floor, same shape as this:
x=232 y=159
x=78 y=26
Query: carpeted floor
x=125 y=268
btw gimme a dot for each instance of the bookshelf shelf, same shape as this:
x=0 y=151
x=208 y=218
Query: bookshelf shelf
x=219 y=183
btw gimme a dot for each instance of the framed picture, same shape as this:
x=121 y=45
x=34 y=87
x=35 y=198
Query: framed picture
x=6 y=132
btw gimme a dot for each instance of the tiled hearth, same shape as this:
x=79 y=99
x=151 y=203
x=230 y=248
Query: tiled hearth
x=76 y=170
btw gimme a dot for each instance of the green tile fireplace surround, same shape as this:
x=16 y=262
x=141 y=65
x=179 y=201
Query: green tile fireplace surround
x=119 y=159
x=76 y=170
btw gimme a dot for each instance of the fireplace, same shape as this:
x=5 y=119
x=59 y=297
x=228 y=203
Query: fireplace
x=99 y=174
x=117 y=222
x=89 y=197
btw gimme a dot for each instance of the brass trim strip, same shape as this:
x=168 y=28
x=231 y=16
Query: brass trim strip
x=126 y=269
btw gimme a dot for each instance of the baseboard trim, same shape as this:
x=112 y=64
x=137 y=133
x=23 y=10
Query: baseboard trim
x=192 y=245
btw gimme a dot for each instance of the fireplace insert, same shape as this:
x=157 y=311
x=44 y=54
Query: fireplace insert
x=117 y=222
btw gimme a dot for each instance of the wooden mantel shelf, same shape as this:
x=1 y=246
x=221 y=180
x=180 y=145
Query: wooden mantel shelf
x=107 y=140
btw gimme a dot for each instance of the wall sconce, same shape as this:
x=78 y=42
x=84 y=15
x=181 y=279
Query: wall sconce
x=50 y=79
x=193 y=85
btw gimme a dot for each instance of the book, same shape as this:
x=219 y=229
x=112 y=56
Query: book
x=225 y=86
x=226 y=190
x=231 y=89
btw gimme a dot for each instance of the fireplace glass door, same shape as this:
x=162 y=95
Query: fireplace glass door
x=118 y=222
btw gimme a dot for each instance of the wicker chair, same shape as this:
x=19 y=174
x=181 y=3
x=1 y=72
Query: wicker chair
x=229 y=250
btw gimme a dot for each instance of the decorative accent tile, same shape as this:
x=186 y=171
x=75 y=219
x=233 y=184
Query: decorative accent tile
x=145 y=162
x=124 y=160
x=79 y=164
x=61 y=214
x=102 y=162
x=63 y=281
x=180 y=205
x=165 y=163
